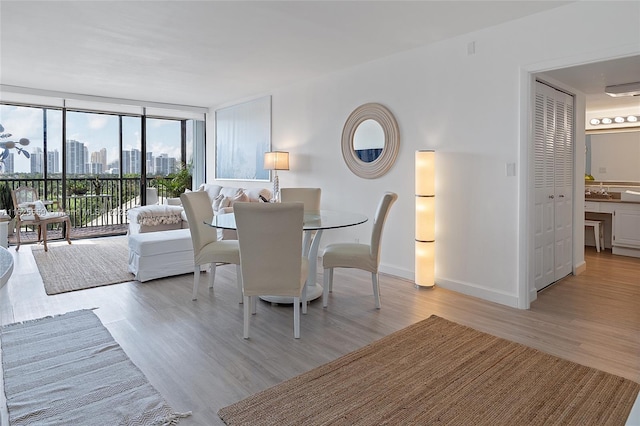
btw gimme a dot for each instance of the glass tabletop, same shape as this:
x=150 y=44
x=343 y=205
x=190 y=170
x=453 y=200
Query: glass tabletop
x=313 y=221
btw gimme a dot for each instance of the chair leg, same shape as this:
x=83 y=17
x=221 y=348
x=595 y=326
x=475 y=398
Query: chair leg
x=196 y=281
x=247 y=304
x=68 y=226
x=325 y=286
x=254 y=304
x=296 y=317
x=239 y=282
x=303 y=299
x=213 y=274
x=331 y=281
x=43 y=229
x=18 y=236
x=376 y=288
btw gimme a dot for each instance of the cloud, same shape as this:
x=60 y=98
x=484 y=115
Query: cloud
x=97 y=121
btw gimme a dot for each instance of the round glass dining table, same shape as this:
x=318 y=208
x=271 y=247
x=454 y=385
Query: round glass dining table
x=314 y=223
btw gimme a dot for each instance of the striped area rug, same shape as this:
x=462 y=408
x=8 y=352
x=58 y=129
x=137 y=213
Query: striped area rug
x=437 y=372
x=68 y=370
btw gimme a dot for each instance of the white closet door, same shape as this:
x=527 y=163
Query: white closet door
x=563 y=178
x=553 y=183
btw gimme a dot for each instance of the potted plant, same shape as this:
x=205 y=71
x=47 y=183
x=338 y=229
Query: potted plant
x=176 y=183
x=97 y=185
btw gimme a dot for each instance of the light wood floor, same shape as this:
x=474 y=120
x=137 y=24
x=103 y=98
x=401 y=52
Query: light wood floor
x=194 y=353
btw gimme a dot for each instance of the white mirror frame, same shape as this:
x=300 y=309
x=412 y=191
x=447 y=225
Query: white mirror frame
x=382 y=164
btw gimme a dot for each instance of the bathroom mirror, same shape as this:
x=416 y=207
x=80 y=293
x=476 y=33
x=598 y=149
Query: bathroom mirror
x=613 y=156
x=370 y=140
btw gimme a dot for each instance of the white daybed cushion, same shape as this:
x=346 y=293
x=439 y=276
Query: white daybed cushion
x=155 y=215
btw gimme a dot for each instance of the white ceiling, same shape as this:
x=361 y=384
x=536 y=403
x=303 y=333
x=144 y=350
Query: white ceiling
x=207 y=53
x=591 y=79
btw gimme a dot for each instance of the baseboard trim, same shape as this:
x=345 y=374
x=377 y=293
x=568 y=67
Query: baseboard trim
x=478 y=291
x=460 y=287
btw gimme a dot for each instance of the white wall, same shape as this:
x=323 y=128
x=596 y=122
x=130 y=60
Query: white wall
x=473 y=110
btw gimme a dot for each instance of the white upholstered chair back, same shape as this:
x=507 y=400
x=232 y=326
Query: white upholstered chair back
x=269 y=235
x=197 y=207
x=206 y=247
x=271 y=259
x=382 y=211
x=310 y=197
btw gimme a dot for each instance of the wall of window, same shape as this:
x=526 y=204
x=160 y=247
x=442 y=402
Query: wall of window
x=107 y=155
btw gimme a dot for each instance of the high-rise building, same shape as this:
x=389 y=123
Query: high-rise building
x=161 y=165
x=37 y=161
x=100 y=157
x=8 y=164
x=126 y=162
x=150 y=164
x=75 y=157
x=53 y=161
x=136 y=161
x=113 y=167
x=94 y=168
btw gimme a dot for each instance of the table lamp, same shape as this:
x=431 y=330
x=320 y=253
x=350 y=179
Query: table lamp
x=276 y=160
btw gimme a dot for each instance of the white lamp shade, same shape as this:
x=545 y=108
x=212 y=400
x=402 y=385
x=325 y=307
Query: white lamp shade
x=425 y=172
x=276 y=160
x=425 y=218
x=425 y=256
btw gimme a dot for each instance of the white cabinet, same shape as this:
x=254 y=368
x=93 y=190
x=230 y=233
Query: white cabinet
x=626 y=230
x=621 y=224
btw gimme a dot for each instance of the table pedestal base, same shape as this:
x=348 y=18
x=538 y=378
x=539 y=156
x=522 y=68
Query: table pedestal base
x=313 y=292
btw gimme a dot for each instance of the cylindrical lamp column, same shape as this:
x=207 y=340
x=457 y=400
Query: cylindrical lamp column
x=425 y=218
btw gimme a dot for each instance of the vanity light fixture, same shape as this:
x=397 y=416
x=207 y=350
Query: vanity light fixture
x=425 y=218
x=612 y=120
x=276 y=160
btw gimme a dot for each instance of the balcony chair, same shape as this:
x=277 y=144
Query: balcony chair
x=271 y=255
x=30 y=210
x=360 y=256
x=206 y=247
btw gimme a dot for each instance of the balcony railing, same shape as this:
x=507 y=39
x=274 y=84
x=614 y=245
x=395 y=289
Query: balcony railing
x=90 y=202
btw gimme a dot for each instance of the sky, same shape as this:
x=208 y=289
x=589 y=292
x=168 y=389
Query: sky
x=96 y=131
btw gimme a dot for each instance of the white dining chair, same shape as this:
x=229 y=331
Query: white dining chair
x=360 y=256
x=271 y=255
x=206 y=247
x=310 y=198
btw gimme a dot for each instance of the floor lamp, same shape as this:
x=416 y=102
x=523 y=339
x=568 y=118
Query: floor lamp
x=276 y=160
x=425 y=218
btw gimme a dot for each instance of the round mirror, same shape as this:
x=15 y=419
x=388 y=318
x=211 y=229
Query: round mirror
x=370 y=141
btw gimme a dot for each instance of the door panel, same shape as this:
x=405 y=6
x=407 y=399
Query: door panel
x=553 y=185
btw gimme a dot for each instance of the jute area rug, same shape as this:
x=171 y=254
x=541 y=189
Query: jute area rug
x=440 y=372
x=83 y=264
x=68 y=370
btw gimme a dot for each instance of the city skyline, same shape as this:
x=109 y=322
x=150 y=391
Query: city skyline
x=80 y=161
x=97 y=131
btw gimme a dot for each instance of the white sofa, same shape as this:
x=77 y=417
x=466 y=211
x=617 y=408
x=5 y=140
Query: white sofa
x=164 y=217
x=160 y=244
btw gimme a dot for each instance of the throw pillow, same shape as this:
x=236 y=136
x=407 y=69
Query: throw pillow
x=40 y=208
x=217 y=203
x=239 y=197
